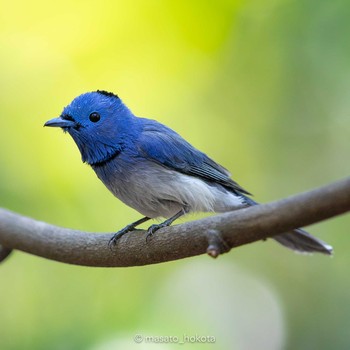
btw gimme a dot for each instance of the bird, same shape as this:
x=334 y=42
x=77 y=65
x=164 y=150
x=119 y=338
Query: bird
x=154 y=170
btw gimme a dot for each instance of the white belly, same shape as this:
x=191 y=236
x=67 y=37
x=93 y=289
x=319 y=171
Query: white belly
x=156 y=191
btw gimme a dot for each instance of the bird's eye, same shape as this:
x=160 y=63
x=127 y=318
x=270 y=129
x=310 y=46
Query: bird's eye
x=94 y=117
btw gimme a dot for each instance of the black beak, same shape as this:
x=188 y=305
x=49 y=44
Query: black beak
x=60 y=123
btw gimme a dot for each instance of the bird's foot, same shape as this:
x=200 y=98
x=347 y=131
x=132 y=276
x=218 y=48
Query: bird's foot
x=113 y=241
x=126 y=229
x=153 y=228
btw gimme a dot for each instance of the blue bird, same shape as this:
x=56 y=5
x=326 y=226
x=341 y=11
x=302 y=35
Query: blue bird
x=153 y=169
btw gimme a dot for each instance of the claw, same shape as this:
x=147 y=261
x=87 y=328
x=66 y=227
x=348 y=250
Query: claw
x=113 y=241
x=131 y=227
x=151 y=230
x=148 y=237
x=154 y=228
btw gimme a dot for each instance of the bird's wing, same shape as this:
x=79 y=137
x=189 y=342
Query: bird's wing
x=164 y=146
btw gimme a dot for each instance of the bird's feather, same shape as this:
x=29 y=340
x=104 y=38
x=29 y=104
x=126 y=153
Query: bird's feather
x=164 y=146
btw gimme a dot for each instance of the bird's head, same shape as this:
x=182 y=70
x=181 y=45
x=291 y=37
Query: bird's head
x=99 y=123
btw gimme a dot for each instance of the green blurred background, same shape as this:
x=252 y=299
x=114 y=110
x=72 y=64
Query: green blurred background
x=263 y=87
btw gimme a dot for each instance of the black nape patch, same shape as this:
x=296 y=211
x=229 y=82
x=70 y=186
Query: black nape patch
x=106 y=93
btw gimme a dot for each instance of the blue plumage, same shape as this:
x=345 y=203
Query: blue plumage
x=153 y=169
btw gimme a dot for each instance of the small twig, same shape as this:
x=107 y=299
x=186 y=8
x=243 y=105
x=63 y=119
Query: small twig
x=216 y=244
x=176 y=242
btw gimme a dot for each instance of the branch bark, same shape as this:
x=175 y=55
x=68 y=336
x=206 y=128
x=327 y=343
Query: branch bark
x=223 y=231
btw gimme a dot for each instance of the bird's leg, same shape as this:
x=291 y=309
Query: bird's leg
x=153 y=228
x=126 y=229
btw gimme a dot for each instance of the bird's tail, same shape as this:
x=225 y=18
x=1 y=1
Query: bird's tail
x=298 y=239
x=301 y=241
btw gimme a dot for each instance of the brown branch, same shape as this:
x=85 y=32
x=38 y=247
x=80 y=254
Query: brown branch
x=212 y=234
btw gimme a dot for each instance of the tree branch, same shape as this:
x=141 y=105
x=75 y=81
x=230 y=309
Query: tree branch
x=212 y=234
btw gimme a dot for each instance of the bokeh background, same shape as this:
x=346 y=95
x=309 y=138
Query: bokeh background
x=263 y=87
